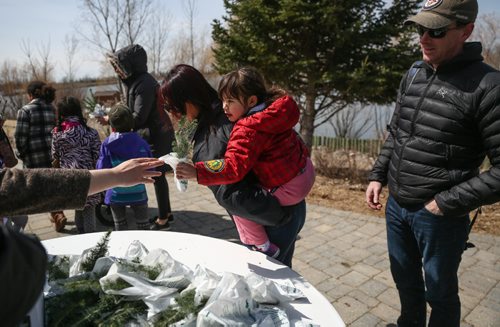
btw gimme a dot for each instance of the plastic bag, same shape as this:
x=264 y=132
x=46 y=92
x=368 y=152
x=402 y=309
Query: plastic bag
x=172 y=160
x=204 y=282
x=267 y=291
x=231 y=304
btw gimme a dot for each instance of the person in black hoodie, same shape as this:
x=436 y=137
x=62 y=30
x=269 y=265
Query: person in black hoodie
x=187 y=93
x=445 y=122
x=150 y=120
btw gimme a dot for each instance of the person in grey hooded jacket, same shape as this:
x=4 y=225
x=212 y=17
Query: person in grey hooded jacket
x=151 y=122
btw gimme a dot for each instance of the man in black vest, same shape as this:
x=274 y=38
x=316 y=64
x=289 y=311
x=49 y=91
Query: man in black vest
x=446 y=121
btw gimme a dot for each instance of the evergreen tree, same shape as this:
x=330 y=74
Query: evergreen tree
x=327 y=53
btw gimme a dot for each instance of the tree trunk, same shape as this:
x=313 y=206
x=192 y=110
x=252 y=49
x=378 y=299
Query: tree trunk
x=307 y=121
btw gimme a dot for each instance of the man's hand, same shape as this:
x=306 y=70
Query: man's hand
x=433 y=208
x=185 y=171
x=373 y=195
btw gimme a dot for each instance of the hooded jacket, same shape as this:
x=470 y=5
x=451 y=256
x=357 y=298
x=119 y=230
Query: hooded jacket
x=150 y=120
x=117 y=148
x=445 y=122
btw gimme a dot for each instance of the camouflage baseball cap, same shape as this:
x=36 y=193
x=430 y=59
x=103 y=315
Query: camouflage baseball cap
x=436 y=14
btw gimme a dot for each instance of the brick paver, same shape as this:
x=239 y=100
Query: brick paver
x=343 y=254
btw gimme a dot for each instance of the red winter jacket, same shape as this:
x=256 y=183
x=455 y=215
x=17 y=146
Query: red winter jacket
x=265 y=143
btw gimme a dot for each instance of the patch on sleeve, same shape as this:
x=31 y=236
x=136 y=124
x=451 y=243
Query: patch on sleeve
x=215 y=166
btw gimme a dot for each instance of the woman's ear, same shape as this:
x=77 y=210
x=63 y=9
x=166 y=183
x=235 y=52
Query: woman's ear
x=192 y=111
x=252 y=101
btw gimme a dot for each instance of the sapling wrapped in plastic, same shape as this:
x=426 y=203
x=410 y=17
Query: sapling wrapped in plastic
x=182 y=147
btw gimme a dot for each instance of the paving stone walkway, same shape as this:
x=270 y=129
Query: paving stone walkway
x=343 y=254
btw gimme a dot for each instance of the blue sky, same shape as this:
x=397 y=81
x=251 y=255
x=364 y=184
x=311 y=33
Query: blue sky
x=41 y=20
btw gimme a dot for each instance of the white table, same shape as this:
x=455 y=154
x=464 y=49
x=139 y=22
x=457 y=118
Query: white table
x=214 y=254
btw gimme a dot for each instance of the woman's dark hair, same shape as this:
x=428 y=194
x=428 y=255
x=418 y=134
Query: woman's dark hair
x=185 y=83
x=41 y=90
x=70 y=106
x=245 y=82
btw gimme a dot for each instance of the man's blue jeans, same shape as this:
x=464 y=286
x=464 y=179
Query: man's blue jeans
x=417 y=238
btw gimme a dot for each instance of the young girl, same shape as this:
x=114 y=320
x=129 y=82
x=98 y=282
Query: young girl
x=76 y=145
x=262 y=141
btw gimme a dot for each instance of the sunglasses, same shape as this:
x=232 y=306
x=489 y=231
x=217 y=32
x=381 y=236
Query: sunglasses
x=434 y=33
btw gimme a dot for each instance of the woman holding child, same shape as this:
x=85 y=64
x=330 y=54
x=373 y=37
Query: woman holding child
x=187 y=93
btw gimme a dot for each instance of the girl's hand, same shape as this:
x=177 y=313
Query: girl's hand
x=185 y=171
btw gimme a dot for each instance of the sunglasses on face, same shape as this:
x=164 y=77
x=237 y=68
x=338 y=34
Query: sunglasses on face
x=434 y=33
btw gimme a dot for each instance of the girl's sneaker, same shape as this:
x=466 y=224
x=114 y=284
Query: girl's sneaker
x=273 y=251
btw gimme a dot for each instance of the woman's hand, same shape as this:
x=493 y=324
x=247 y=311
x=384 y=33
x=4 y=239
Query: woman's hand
x=185 y=170
x=128 y=173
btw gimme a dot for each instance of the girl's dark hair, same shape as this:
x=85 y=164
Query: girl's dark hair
x=42 y=90
x=184 y=83
x=70 y=106
x=245 y=82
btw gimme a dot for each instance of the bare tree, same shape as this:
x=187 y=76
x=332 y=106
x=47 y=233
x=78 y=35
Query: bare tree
x=70 y=49
x=156 y=40
x=190 y=9
x=136 y=15
x=39 y=63
x=179 y=52
x=46 y=66
x=119 y=22
x=487 y=31
x=381 y=117
x=106 y=19
x=13 y=81
x=352 y=122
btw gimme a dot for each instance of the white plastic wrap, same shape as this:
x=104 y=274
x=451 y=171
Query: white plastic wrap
x=266 y=291
x=233 y=300
x=231 y=304
x=172 y=160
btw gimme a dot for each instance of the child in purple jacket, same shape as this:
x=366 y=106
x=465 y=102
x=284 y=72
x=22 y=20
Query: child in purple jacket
x=124 y=144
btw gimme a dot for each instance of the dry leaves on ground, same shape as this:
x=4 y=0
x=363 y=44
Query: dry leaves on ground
x=343 y=195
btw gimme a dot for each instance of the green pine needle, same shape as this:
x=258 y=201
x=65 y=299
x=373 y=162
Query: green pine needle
x=97 y=252
x=183 y=136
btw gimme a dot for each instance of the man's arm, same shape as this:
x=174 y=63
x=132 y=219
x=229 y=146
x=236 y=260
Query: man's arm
x=484 y=188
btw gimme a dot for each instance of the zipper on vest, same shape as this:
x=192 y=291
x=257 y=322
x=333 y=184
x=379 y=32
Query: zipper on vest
x=412 y=128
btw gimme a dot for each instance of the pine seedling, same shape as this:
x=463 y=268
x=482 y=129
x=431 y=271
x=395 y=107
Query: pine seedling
x=183 y=136
x=97 y=252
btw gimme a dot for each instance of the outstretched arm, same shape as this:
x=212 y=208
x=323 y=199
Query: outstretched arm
x=128 y=173
x=28 y=191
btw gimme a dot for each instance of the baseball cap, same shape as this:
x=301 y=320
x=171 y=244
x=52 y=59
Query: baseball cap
x=120 y=118
x=436 y=14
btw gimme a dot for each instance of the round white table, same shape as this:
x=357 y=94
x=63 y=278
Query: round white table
x=214 y=254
